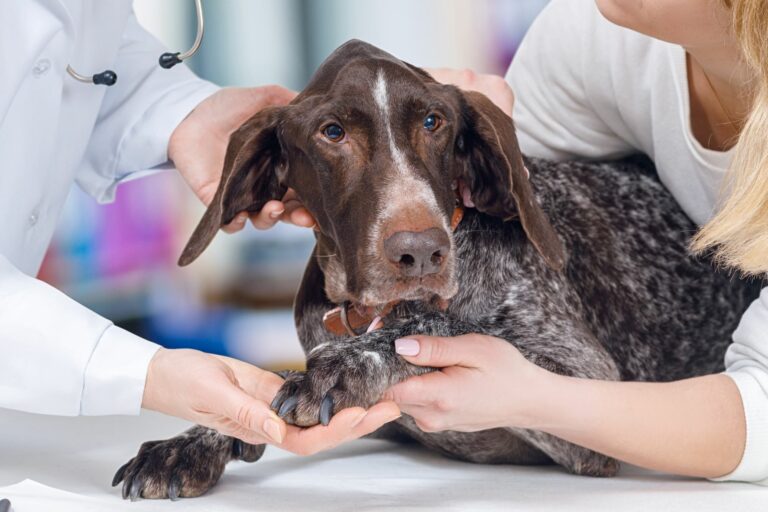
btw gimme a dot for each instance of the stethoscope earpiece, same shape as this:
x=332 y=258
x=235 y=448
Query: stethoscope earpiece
x=107 y=78
x=166 y=60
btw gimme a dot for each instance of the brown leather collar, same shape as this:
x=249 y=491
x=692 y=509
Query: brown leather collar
x=345 y=320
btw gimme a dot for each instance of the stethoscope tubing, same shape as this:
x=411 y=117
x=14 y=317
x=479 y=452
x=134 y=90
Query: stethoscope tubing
x=166 y=60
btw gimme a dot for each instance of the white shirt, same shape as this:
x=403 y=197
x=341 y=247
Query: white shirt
x=56 y=356
x=585 y=87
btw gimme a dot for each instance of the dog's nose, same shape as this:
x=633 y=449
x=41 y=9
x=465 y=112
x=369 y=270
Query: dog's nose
x=418 y=253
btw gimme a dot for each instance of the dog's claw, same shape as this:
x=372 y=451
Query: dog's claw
x=135 y=489
x=237 y=449
x=174 y=487
x=120 y=474
x=288 y=406
x=277 y=402
x=326 y=409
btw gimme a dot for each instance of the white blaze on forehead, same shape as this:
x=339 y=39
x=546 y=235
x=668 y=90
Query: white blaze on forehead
x=405 y=185
x=381 y=96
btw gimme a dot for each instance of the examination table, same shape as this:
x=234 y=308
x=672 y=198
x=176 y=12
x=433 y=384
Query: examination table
x=66 y=464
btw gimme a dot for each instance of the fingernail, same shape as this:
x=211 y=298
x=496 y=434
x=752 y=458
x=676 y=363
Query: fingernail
x=272 y=429
x=359 y=419
x=241 y=218
x=276 y=215
x=407 y=347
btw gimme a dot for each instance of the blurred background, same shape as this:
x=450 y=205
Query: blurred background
x=119 y=259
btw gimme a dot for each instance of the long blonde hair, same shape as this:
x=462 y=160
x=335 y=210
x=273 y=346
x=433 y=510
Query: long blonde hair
x=738 y=234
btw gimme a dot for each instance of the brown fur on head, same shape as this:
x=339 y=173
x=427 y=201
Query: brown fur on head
x=375 y=149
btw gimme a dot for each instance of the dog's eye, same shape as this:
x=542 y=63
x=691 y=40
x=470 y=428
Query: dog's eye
x=333 y=132
x=432 y=122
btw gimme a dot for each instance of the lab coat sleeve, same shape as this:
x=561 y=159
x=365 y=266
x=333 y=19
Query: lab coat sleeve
x=58 y=357
x=554 y=115
x=746 y=363
x=138 y=114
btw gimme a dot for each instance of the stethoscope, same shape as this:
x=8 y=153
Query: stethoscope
x=166 y=60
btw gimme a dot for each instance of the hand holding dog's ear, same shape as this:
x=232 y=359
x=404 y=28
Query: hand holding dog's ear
x=199 y=144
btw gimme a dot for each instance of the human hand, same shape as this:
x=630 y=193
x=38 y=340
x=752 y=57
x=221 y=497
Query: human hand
x=495 y=87
x=482 y=382
x=198 y=145
x=233 y=398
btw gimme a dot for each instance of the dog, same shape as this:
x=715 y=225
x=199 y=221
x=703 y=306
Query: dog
x=428 y=219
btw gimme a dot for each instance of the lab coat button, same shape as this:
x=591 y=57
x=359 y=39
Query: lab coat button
x=33 y=219
x=41 y=67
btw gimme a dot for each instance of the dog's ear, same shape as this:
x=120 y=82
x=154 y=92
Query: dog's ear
x=252 y=175
x=492 y=167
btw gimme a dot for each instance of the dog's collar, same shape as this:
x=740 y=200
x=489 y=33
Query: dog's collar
x=353 y=320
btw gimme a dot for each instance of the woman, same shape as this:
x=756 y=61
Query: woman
x=687 y=83
x=56 y=356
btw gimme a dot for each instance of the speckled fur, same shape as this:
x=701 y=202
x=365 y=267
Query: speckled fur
x=631 y=304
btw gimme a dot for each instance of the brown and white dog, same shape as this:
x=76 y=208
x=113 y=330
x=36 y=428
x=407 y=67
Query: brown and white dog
x=584 y=267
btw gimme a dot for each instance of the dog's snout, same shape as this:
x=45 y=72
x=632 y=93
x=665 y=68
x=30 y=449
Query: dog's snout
x=418 y=253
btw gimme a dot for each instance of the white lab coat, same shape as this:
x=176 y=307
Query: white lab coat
x=56 y=356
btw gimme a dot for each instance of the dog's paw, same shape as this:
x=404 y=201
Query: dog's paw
x=334 y=380
x=183 y=466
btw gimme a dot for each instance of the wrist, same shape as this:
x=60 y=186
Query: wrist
x=154 y=377
x=541 y=404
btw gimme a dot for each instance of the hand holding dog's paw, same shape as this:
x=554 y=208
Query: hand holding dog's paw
x=338 y=376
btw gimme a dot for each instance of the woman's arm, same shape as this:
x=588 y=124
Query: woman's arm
x=691 y=427
x=697 y=427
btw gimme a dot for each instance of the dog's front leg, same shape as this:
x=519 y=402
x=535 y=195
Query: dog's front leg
x=187 y=465
x=355 y=372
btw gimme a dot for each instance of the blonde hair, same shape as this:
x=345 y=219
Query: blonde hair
x=738 y=234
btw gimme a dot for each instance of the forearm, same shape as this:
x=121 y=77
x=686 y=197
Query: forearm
x=692 y=427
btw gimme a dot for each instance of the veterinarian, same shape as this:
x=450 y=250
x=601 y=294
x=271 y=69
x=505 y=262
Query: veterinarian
x=57 y=127
x=685 y=82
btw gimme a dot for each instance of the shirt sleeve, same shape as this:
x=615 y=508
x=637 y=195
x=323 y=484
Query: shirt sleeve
x=746 y=362
x=138 y=115
x=554 y=112
x=58 y=357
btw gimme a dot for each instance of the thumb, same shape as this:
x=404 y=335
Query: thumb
x=440 y=352
x=253 y=415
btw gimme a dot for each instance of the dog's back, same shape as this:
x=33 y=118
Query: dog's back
x=630 y=280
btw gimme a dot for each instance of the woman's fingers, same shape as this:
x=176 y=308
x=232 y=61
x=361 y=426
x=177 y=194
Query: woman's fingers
x=289 y=210
x=421 y=390
x=252 y=415
x=468 y=350
x=346 y=425
x=269 y=214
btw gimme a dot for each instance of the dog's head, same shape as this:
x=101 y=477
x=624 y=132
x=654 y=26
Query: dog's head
x=376 y=149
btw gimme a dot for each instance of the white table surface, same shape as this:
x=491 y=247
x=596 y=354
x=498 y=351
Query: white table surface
x=80 y=455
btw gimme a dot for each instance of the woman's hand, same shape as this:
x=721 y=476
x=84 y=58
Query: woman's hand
x=233 y=398
x=198 y=145
x=482 y=382
x=495 y=87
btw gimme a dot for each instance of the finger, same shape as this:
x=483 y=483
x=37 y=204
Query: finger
x=377 y=416
x=301 y=217
x=421 y=390
x=307 y=441
x=469 y=350
x=346 y=424
x=269 y=214
x=236 y=225
x=253 y=415
x=244 y=434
